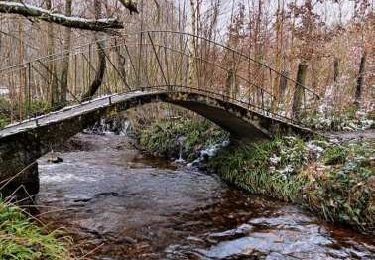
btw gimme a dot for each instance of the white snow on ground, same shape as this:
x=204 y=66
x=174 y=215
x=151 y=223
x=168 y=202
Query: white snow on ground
x=275 y=159
x=207 y=153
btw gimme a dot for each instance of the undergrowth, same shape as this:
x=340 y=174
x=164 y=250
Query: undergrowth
x=21 y=239
x=347 y=120
x=9 y=111
x=170 y=138
x=253 y=168
x=336 y=181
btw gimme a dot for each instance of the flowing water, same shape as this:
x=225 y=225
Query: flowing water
x=124 y=205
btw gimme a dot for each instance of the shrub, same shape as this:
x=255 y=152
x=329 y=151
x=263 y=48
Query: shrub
x=335 y=155
x=185 y=136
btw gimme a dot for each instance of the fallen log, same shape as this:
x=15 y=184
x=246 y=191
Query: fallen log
x=68 y=21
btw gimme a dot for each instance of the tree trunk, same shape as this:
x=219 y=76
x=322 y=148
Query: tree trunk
x=231 y=84
x=53 y=84
x=21 y=49
x=360 y=80
x=259 y=55
x=279 y=44
x=65 y=69
x=192 y=45
x=121 y=61
x=98 y=80
x=299 y=90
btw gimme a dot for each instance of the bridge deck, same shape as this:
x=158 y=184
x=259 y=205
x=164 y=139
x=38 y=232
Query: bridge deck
x=112 y=100
x=69 y=112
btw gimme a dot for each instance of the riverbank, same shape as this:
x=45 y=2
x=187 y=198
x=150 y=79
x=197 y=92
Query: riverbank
x=22 y=238
x=120 y=203
x=335 y=180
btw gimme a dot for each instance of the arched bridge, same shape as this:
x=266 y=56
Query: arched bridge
x=150 y=72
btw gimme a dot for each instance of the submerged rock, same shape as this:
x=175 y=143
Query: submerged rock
x=54 y=159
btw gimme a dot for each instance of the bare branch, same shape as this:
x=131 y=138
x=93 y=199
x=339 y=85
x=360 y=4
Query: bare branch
x=131 y=5
x=73 y=22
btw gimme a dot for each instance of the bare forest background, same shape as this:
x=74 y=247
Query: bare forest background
x=332 y=40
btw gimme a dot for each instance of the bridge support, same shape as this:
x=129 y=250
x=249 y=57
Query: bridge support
x=23 y=185
x=18 y=167
x=20 y=151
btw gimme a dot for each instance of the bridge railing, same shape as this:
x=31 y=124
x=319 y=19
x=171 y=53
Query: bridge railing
x=150 y=58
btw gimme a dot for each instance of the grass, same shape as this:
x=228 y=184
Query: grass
x=335 y=155
x=21 y=238
x=337 y=183
x=345 y=192
x=170 y=137
x=348 y=119
x=248 y=167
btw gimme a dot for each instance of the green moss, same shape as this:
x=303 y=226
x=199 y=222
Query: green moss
x=21 y=239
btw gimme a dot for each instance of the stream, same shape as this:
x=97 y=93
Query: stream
x=120 y=204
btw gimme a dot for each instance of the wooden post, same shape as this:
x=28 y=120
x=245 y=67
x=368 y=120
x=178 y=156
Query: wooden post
x=299 y=90
x=360 y=79
x=283 y=84
x=335 y=70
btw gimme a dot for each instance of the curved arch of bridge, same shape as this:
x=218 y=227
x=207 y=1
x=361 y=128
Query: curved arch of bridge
x=21 y=145
x=239 y=93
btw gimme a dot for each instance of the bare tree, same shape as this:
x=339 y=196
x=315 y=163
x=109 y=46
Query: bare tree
x=96 y=83
x=65 y=69
x=53 y=83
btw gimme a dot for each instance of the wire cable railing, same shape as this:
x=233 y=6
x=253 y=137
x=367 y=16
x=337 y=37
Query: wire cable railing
x=152 y=59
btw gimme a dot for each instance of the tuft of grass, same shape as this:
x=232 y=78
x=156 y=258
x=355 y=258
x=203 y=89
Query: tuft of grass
x=342 y=191
x=248 y=167
x=346 y=191
x=170 y=137
x=21 y=239
x=4 y=120
x=335 y=155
